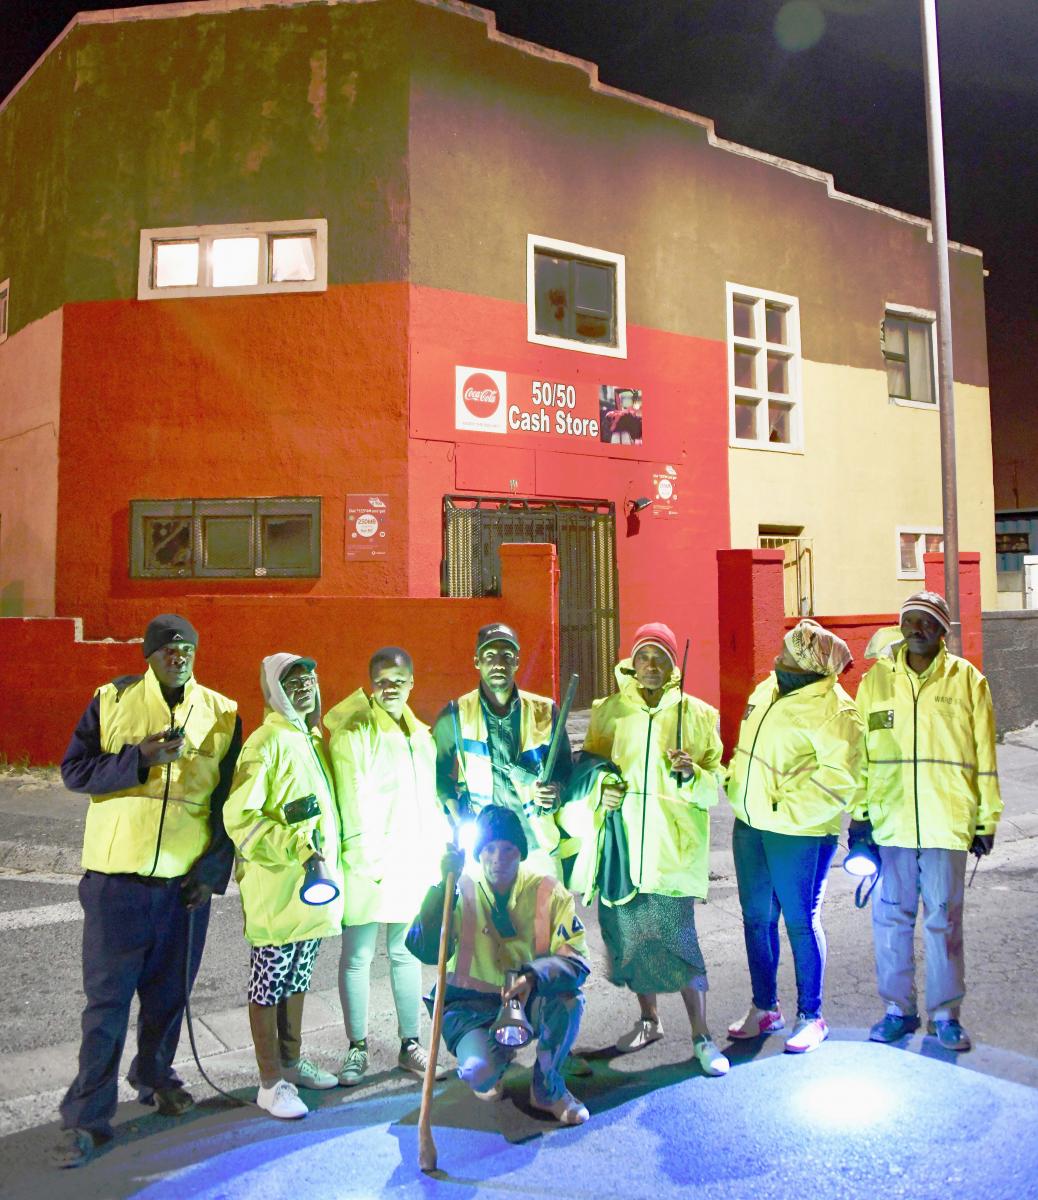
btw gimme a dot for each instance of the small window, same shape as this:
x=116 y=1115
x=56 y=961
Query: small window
x=764 y=369
x=233 y=539
x=5 y=292
x=912 y=544
x=907 y=341
x=233 y=260
x=575 y=297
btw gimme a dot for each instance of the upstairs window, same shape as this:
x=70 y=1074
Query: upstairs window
x=575 y=297
x=233 y=260
x=275 y=537
x=764 y=369
x=909 y=357
x=912 y=544
x=5 y=292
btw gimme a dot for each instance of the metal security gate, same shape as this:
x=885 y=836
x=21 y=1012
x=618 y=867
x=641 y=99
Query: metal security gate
x=584 y=535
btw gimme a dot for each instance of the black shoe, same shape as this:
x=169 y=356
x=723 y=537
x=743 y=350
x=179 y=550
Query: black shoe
x=173 y=1101
x=950 y=1034
x=893 y=1028
x=74 y=1148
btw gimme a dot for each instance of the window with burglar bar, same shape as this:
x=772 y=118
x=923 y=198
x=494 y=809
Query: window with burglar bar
x=764 y=369
x=575 y=297
x=909 y=358
x=912 y=544
x=273 y=537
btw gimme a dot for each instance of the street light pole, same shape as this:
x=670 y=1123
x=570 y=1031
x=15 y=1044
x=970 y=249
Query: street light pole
x=945 y=372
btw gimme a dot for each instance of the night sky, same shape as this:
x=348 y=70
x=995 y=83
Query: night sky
x=835 y=84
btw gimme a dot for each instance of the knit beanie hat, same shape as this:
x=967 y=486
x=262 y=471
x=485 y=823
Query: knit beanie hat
x=496 y=823
x=166 y=628
x=931 y=603
x=656 y=634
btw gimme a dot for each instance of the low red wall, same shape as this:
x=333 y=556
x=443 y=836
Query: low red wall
x=48 y=673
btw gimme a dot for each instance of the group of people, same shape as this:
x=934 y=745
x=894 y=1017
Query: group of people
x=373 y=807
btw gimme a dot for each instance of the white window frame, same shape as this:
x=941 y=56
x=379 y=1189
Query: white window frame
x=535 y=242
x=791 y=349
x=316 y=227
x=5 y=307
x=925 y=316
x=920 y=532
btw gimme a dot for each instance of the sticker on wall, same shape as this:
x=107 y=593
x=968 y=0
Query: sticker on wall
x=480 y=400
x=620 y=415
x=366 y=525
x=665 y=492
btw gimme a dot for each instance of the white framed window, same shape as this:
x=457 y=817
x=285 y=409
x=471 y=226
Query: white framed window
x=908 y=342
x=912 y=544
x=233 y=260
x=575 y=297
x=5 y=293
x=764 y=399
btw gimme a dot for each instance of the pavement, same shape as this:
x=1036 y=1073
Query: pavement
x=914 y=1121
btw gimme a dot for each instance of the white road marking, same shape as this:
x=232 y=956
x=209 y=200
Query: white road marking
x=45 y=914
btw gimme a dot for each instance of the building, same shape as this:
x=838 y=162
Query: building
x=329 y=299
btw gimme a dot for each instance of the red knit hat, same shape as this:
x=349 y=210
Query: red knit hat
x=656 y=634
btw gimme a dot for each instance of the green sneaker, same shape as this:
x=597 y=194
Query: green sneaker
x=354 y=1067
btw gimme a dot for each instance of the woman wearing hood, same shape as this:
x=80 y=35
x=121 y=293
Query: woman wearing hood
x=797 y=767
x=280 y=813
x=646 y=848
x=393 y=835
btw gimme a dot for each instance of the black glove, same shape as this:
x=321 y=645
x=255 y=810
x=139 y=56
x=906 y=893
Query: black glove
x=453 y=862
x=858 y=831
x=194 y=893
x=983 y=843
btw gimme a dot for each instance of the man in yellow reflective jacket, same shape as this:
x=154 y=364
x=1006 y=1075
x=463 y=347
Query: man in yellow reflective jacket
x=932 y=797
x=508 y=918
x=155 y=753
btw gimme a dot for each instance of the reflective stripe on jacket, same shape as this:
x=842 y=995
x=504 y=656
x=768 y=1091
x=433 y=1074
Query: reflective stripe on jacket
x=279 y=763
x=800 y=759
x=932 y=776
x=394 y=830
x=667 y=823
x=161 y=826
x=542 y=913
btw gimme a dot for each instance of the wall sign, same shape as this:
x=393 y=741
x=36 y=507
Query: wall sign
x=366 y=525
x=665 y=492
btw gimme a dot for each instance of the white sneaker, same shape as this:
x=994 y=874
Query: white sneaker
x=643 y=1033
x=709 y=1057
x=808 y=1034
x=281 y=1100
x=491 y=1094
x=309 y=1075
x=567 y=1110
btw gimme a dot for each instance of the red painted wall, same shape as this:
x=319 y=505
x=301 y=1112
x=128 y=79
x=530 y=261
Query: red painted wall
x=666 y=564
x=45 y=659
x=237 y=396
x=969 y=599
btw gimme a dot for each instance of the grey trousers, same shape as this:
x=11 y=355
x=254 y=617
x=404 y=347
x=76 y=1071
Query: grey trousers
x=938 y=876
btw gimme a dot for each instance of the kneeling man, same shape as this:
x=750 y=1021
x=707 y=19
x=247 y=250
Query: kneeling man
x=508 y=918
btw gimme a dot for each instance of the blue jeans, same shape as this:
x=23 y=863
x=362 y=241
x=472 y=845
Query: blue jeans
x=783 y=873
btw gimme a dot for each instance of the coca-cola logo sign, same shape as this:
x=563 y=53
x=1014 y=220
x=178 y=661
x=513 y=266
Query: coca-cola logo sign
x=480 y=394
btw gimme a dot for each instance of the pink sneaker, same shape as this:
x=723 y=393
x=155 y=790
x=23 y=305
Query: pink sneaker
x=758 y=1022
x=808 y=1034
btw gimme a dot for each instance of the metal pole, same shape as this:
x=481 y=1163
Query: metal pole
x=945 y=372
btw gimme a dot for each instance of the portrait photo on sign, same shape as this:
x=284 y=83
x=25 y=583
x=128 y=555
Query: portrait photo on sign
x=620 y=410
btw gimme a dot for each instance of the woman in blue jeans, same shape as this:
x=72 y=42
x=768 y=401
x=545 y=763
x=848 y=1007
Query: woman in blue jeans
x=796 y=769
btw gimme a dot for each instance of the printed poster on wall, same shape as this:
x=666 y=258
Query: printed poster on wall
x=366 y=525
x=665 y=492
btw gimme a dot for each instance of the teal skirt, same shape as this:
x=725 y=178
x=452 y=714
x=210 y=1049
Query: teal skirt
x=651 y=944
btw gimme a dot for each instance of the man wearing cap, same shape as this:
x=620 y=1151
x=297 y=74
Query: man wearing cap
x=932 y=797
x=155 y=753
x=491 y=744
x=508 y=918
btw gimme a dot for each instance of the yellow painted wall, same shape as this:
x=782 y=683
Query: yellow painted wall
x=868 y=466
x=30 y=401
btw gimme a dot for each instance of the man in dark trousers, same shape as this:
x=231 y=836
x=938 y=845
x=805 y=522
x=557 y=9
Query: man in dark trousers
x=155 y=753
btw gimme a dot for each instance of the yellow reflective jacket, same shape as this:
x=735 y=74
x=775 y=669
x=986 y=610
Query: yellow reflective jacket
x=535 y=730
x=394 y=830
x=125 y=829
x=542 y=913
x=667 y=823
x=278 y=763
x=932 y=777
x=800 y=759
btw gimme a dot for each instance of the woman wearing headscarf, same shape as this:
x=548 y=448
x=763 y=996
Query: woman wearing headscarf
x=795 y=771
x=649 y=774
x=280 y=814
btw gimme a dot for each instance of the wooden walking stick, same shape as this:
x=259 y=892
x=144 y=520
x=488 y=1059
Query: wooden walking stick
x=426 y=1145
x=681 y=703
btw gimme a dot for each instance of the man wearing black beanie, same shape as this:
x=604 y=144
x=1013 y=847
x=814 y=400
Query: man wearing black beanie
x=155 y=753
